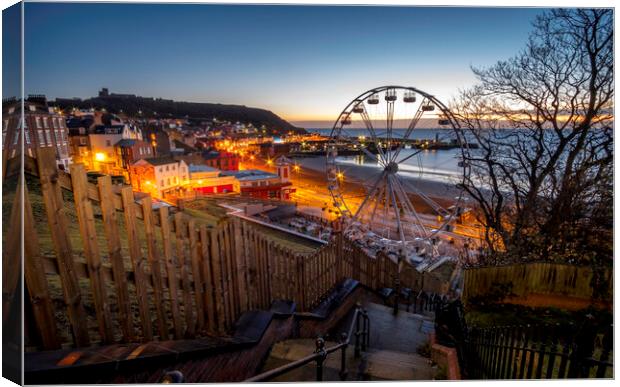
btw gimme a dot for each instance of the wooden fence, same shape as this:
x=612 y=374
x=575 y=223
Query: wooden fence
x=141 y=274
x=538 y=278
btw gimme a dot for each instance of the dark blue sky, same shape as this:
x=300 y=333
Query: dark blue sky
x=302 y=62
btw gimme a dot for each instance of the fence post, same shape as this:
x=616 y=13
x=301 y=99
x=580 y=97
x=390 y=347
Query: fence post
x=110 y=227
x=57 y=221
x=36 y=282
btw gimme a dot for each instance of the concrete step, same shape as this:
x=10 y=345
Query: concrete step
x=394 y=365
x=404 y=332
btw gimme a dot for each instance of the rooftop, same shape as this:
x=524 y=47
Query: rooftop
x=159 y=160
x=201 y=168
x=250 y=174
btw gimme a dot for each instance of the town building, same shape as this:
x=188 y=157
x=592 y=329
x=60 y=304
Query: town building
x=160 y=176
x=208 y=180
x=224 y=161
x=44 y=127
x=131 y=150
x=262 y=185
x=103 y=139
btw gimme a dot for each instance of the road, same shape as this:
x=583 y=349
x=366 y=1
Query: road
x=313 y=197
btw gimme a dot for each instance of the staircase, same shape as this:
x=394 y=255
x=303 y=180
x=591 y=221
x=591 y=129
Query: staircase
x=390 y=355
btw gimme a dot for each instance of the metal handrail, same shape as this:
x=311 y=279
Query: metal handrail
x=320 y=354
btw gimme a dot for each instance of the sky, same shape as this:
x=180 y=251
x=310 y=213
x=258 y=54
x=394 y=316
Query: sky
x=305 y=63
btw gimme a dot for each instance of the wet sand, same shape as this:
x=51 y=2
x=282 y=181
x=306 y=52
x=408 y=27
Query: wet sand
x=442 y=193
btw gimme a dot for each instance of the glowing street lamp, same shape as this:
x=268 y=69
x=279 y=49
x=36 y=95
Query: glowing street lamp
x=340 y=176
x=100 y=156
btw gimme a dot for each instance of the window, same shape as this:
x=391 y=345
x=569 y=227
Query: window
x=41 y=138
x=82 y=141
x=48 y=138
x=45 y=122
x=254 y=184
x=38 y=121
x=173 y=168
x=16 y=139
x=161 y=169
x=11 y=110
x=161 y=183
x=82 y=130
x=54 y=122
x=167 y=170
x=32 y=108
x=5 y=125
x=27 y=135
x=108 y=143
x=168 y=181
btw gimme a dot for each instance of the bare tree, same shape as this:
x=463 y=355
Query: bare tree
x=543 y=121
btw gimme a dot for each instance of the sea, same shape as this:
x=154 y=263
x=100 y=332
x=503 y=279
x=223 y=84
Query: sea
x=437 y=165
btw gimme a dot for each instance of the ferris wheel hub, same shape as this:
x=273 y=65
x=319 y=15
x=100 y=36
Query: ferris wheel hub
x=391 y=168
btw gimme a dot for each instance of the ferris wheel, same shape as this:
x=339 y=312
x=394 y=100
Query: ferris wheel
x=384 y=145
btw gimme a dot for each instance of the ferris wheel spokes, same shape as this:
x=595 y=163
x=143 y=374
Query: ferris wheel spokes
x=417 y=221
x=410 y=128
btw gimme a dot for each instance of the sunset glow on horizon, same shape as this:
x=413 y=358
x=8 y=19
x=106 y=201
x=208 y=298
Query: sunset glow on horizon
x=304 y=63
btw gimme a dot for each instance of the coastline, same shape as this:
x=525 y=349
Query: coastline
x=442 y=192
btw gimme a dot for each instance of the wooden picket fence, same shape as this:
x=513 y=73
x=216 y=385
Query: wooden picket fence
x=143 y=274
x=543 y=278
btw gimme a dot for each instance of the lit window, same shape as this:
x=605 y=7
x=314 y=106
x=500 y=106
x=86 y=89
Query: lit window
x=38 y=121
x=54 y=122
x=16 y=139
x=45 y=122
x=27 y=135
x=32 y=108
x=41 y=138
x=48 y=138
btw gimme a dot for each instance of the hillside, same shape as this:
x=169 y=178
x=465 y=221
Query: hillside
x=157 y=107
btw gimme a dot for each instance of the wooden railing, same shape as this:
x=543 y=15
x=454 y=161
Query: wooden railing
x=139 y=274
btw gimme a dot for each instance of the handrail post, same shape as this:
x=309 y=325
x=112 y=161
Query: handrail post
x=320 y=349
x=357 y=332
x=365 y=329
x=343 y=356
x=397 y=283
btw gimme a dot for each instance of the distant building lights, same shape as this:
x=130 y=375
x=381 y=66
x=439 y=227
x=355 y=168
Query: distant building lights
x=100 y=156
